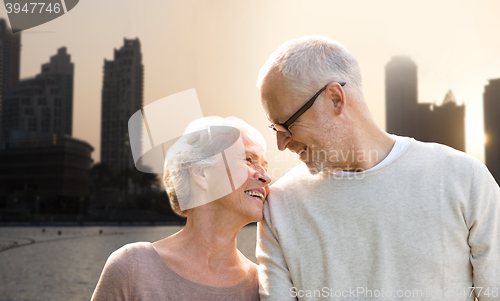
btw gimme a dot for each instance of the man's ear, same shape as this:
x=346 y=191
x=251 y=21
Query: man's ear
x=199 y=176
x=337 y=96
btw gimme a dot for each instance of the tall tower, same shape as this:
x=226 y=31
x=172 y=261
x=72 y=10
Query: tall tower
x=10 y=54
x=60 y=70
x=41 y=105
x=491 y=105
x=122 y=94
x=401 y=96
x=448 y=123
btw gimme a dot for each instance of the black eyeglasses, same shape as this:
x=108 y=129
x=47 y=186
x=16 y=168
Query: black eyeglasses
x=283 y=127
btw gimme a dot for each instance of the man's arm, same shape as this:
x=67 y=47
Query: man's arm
x=275 y=282
x=484 y=234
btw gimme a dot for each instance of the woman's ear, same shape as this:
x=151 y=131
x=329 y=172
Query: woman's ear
x=199 y=176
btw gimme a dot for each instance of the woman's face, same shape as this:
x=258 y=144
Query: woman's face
x=248 y=199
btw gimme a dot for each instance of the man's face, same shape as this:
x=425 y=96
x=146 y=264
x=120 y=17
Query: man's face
x=316 y=136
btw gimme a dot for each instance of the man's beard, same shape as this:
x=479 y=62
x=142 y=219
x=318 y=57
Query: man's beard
x=327 y=156
x=319 y=162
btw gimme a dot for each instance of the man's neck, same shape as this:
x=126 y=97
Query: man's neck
x=370 y=147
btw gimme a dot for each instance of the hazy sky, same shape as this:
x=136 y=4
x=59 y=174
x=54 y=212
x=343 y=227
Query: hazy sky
x=218 y=48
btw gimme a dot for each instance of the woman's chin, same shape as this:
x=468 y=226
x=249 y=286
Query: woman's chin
x=257 y=216
x=258 y=219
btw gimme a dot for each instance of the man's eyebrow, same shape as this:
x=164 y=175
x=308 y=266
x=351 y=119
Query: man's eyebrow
x=269 y=119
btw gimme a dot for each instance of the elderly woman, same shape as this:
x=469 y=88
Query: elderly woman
x=219 y=187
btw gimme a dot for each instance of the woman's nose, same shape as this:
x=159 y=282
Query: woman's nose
x=262 y=175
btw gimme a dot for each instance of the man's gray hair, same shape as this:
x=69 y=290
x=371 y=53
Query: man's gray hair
x=311 y=62
x=194 y=150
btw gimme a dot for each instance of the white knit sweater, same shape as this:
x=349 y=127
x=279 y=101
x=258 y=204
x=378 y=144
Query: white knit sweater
x=424 y=227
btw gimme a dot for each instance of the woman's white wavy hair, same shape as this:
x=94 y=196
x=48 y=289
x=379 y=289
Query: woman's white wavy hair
x=195 y=151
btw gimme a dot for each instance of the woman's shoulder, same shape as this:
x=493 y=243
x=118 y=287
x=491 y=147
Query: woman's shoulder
x=132 y=249
x=129 y=251
x=129 y=255
x=120 y=271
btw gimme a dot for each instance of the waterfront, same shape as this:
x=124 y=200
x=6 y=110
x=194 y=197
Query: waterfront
x=42 y=266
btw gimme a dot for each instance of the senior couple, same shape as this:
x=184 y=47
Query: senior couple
x=420 y=221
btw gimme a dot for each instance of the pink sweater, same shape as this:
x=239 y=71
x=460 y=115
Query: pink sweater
x=137 y=272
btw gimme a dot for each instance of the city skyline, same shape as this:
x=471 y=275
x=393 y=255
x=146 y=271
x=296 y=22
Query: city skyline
x=218 y=49
x=424 y=121
x=42 y=167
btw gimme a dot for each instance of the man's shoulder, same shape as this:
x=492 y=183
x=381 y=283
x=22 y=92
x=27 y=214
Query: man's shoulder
x=441 y=153
x=442 y=158
x=294 y=186
x=293 y=177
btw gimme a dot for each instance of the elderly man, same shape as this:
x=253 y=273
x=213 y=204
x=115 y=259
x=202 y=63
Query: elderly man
x=369 y=216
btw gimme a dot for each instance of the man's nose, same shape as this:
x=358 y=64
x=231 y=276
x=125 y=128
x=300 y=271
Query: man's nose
x=282 y=140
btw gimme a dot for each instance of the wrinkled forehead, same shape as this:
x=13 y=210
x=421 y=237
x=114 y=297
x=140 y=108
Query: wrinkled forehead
x=252 y=145
x=275 y=97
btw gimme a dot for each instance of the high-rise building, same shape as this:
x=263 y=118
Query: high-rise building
x=491 y=105
x=50 y=168
x=41 y=165
x=401 y=96
x=448 y=123
x=405 y=116
x=10 y=54
x=122 y=95
x=42 y=104
x=1 y=77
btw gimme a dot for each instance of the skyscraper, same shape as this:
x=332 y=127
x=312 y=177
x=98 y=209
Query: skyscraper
x=122 y=94
x=405 y=116
x=448 y=123
x=41 y=165
x=42 y=104
x=401 y=96
x=491 y=105
x=10 y=54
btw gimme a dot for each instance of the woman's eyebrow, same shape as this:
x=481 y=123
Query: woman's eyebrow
x=255 y=155
x=252 y=153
